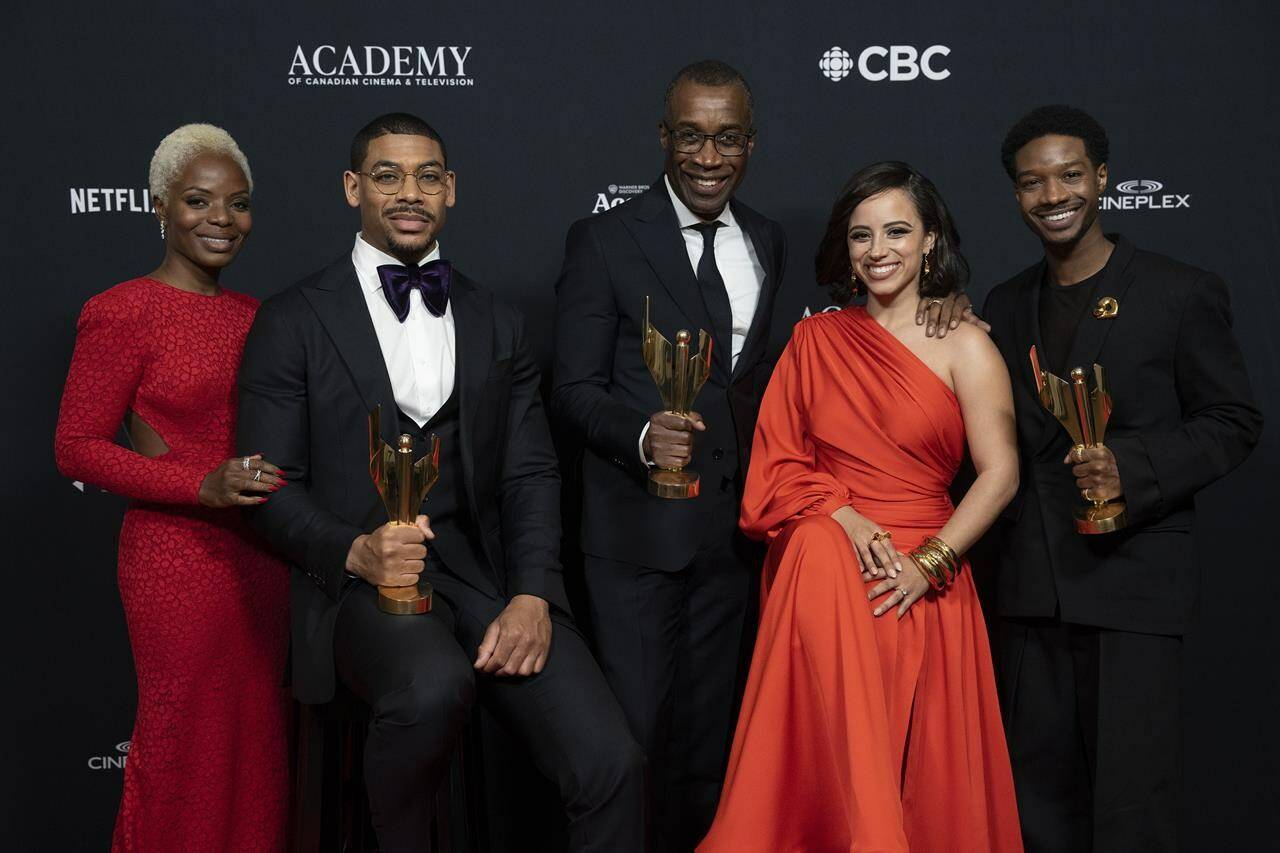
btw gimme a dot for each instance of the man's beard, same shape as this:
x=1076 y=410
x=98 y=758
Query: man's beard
x=408 y=252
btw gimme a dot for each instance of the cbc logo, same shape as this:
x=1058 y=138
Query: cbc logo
x=897 y=63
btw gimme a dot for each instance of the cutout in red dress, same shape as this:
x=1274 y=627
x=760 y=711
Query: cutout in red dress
x=207 y=608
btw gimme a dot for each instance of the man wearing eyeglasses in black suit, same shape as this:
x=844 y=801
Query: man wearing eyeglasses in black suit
x=671 y=582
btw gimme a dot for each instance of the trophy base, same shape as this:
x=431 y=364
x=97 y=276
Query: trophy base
x=1100 y=518
x=674 y=485
x=405 y=600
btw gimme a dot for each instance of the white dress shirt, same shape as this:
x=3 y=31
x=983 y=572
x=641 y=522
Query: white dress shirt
x=419 y=353
x=739 y=267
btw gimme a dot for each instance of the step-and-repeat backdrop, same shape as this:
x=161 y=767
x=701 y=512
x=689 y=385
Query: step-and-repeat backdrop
x=550 y=112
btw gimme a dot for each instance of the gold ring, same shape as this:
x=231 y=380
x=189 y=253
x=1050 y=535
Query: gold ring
x=881 y=534
x=933 y=302
x=1085 y=492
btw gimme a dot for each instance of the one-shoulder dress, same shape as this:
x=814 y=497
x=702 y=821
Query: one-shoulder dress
x=857 y=732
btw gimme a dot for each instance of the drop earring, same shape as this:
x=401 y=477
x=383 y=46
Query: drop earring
x=926 y=266
x=162 y=229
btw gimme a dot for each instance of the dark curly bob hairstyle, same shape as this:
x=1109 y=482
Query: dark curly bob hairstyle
x=948 y=270
x=1056 y=120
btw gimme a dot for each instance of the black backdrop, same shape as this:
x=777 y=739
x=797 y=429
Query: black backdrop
x=552 y=115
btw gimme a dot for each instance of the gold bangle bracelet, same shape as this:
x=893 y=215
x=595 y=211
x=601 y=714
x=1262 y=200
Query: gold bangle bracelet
x=929 y=567
x=949 y=555
x=938 y=562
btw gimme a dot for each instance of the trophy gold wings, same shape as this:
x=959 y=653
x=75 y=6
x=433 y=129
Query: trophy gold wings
x=1084 y=411
x=680 y=372
x=403 y=485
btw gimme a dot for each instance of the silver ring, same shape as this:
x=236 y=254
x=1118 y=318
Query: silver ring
x=244 y=463
x=903 y=590
x=1085 y=494
x=257 y=475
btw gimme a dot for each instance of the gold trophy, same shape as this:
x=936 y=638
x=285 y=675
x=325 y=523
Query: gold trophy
x=680 y=376
x=1084 y=412
x=403 y=486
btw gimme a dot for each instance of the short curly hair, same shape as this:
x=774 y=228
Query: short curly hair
x=949 y=271
x=1056 y=120
x=709 y=72
x=405 y=124
x=182 y=146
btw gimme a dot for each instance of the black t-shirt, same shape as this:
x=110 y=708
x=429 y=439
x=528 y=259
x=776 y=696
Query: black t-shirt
x=1061 y=310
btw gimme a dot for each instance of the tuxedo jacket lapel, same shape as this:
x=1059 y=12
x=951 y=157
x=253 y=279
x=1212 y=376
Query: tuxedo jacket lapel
x=1090 y=335
x=758 y=333
x=1092 y=332
x=1024 y=378
x=343 y=312
x=473 y=353
x=657 y=231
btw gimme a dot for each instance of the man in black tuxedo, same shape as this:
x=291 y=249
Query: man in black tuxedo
x=1091 y=625
x=453 y=361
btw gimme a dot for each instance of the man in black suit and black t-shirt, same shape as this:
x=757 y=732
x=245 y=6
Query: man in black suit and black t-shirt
x=1091 y=627
x=391 y=324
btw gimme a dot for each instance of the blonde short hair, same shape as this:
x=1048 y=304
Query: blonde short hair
x=185 y=144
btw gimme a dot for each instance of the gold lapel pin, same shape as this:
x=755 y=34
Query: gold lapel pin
x=1106 y=308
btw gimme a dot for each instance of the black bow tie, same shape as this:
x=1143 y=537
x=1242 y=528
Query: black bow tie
x=432 y=278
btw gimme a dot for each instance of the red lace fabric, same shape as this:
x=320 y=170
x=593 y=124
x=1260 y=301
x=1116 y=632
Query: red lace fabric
x=206 y=606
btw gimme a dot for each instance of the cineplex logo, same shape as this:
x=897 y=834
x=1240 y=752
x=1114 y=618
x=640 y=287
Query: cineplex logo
x=617 y=194
x=1143 y=194
x=111 y=762
x=896 y=63
x=373 y=65
x=110 y=200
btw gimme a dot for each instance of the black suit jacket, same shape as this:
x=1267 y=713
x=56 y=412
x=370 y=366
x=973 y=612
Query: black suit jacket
x=603 y=391
x=1184 y=416
x=312 y=371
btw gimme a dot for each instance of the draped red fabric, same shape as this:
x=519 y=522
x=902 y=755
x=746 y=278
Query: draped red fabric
x=860 y=733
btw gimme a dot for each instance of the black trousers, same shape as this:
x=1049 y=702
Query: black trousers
x=1092 y=717
x=674 y=647
x=416 y=675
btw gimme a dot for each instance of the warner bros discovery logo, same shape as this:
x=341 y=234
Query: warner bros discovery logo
x=374 y=65
x=616 y=195
x=1143 y=194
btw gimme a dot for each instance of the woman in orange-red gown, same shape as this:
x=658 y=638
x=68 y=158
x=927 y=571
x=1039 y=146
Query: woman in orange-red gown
x=860 y=730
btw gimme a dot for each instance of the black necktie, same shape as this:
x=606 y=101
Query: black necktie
x=714 y=295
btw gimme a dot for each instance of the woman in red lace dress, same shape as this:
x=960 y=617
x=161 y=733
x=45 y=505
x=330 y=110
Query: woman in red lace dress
x=870 y=720
x=206 y=607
